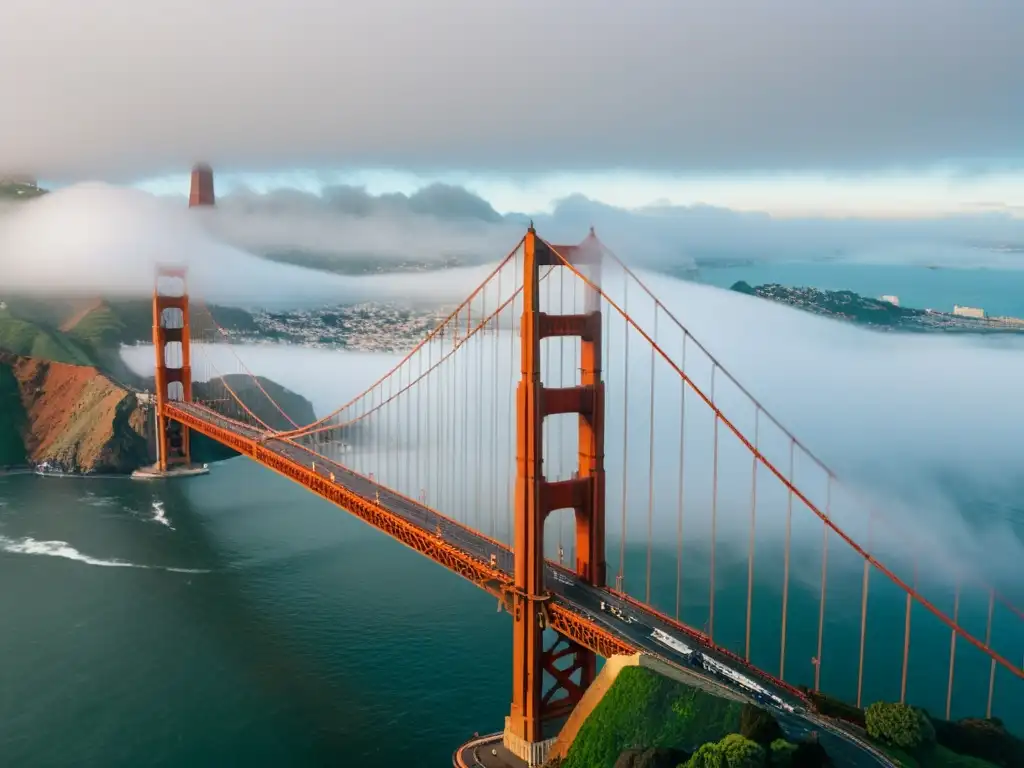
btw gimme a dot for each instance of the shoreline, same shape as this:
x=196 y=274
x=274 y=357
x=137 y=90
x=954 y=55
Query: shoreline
x=15 y=472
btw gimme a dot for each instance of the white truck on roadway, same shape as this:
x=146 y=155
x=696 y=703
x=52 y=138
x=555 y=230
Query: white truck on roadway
x=697 y=659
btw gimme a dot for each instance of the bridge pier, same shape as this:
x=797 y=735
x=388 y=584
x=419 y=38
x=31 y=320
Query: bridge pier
x=535 y=709
x=532 y=753
x=173 y=373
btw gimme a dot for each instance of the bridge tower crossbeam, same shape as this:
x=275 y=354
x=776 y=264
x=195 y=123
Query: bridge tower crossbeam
x=171 y=333
x=571 y=666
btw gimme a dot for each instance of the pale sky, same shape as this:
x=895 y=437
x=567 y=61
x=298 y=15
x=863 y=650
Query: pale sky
x=121 y=88
x=863 y=107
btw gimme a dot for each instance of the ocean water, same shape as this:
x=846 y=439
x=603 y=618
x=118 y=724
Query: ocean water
x=232 y=619
x=236 y=619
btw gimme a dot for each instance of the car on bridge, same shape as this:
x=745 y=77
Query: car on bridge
x=617 y=612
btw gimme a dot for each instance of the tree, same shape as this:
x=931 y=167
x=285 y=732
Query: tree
x=734 y=751
x=899 y=725
x=759 y=725
x=741 y=752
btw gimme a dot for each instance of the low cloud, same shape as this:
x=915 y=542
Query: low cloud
x=98 y=239
x=445 y=222
x=95 y=238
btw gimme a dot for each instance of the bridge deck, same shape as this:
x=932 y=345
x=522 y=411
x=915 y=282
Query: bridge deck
x=575 y=607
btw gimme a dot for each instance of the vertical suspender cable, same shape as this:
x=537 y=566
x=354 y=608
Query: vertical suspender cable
x=753 y=526
x=714 y=512
x=494 y=438
x=988 y=645
x=785 y=567
x=906 y=642
x=682 y=485
x=463 y=413
x=824 y=582
x=650 y=459
x=863 y=619
x=478 y=460
x=952 y=648
x=511 y=442
x=625 y=439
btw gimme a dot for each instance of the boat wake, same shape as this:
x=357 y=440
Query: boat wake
x=159 y=516
x=30 y=546
x=97 y=501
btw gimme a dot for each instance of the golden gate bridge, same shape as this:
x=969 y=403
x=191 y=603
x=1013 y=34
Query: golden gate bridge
x=562 y=441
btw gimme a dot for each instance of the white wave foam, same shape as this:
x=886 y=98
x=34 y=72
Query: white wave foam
x=159 y=516
x=30 y=546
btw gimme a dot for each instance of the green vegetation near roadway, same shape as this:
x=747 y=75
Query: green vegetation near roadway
x=644 y=709
x=26 y=338
x=12 y=420
x=649 y=721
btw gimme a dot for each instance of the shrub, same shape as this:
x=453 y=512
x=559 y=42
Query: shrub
x=734 y=751
x=987 y=739
x=707 y=756
x=782 y=753
x=900 y=725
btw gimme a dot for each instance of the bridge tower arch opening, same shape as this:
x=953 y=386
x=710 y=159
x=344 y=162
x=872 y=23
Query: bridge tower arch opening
x=171 y=332
x=536 y=710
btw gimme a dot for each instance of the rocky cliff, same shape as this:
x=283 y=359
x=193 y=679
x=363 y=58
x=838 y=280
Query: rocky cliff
x=68 y=415
x=78 y=420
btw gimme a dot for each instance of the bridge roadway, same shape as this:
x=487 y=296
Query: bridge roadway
x=582 y=599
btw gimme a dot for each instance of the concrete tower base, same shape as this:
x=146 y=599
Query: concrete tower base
x=533 y=753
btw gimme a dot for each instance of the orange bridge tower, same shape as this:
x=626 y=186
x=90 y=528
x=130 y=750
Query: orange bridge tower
x=536 y=711
x=171 y=333
x=201 y=192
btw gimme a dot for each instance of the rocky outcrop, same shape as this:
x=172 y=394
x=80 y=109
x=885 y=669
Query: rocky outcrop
x=79 y=420
x=73 y=417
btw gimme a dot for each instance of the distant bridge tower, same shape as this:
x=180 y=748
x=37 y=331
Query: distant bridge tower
x=528 y=733
x=171 y=333
x=201 y=192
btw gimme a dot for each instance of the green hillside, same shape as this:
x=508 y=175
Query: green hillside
x=130 y=321
x=23 y=337
x=101 y=328
x=94 y=331
x=644 y=709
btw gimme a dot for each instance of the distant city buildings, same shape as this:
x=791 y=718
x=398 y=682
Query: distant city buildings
x=18 y=179
x=894 y=300
x=969 y=312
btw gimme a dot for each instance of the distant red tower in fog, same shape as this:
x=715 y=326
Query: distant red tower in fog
x=202 y=186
